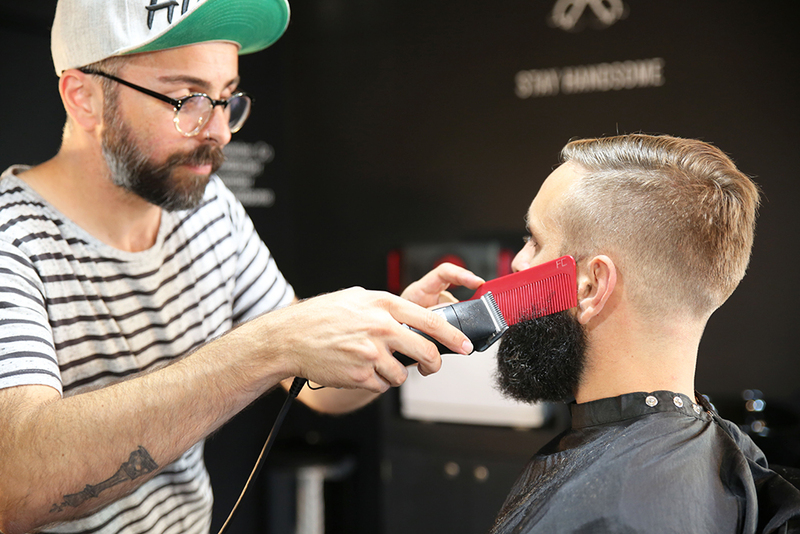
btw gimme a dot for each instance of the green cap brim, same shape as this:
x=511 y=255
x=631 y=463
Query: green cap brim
x=253 y=24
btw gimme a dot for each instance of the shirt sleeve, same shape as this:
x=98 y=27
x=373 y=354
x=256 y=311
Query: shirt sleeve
x=27 y=351
x=259 y=286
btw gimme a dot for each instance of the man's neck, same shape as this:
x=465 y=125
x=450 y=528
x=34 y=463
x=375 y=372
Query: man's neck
x=76 y=182
x=630 y=356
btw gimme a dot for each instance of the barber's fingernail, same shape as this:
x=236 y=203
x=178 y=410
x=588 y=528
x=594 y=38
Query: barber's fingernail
x=467 y=347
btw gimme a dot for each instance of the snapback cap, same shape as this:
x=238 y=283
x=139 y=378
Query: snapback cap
x=86 y=31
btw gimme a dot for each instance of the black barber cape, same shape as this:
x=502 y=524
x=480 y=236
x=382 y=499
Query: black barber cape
x=649 y=462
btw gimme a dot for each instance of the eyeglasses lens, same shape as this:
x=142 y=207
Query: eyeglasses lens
x=196 y=110
x=193 y=114
x=238 y=110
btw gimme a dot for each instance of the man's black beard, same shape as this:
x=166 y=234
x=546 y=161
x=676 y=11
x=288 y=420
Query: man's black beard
x=542 y=359
x=156 y=183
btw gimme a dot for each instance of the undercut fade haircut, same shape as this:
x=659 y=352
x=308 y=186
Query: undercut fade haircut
x=676 y=214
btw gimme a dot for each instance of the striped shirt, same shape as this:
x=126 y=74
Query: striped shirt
x=76 y=314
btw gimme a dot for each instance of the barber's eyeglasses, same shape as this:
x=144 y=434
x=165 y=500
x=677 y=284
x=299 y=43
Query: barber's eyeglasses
x=192 y=112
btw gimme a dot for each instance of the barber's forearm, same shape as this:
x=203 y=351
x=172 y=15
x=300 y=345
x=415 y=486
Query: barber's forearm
x=334 y=401
x=344 y=339
x=63 y=458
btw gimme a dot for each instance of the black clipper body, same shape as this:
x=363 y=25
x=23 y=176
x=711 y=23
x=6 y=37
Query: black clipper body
x=480 y=320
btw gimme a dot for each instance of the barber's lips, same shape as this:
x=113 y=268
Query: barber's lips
x=199 y=165
x=202 y=168
x=203 y=161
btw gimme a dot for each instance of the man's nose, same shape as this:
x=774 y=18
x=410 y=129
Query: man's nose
x=521 y=261
x=217 y=127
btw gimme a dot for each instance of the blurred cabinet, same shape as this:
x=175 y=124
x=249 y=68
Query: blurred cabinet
x=444 y=477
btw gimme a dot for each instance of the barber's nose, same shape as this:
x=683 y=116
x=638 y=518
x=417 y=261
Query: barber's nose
x=217 y=127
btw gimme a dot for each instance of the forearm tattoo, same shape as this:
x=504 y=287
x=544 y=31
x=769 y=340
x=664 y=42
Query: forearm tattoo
x=140 y=463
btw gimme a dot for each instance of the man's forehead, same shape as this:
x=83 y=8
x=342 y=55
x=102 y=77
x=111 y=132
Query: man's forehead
x=551 y=195
x=562 y=177
x=205 y=65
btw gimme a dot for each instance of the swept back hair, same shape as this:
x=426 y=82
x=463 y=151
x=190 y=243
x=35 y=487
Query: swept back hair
x=676 y=214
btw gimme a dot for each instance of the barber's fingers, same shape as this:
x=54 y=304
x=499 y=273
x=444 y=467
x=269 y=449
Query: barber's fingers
x=379 y=383
x=427 y=290
x=445 y=297
x=417 y=347
x=393 y=335
x=348 y=338
x=389 y=372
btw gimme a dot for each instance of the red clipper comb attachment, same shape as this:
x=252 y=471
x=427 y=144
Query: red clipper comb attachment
x=535 y=292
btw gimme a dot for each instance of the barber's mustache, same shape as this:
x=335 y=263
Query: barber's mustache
x=202 y=155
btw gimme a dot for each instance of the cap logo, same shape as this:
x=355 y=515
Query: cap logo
x=169 y=6
x=87 y=31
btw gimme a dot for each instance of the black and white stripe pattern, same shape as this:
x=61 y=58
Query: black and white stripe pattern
x=77 y=314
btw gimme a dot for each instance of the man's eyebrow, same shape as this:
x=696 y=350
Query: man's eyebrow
x=529 y=229
x=528 y=224
x=194 y=81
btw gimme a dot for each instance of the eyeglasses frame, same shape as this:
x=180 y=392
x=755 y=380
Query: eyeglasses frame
x=176 y=103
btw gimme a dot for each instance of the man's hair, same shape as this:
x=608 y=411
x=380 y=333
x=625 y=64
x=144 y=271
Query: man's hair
x=675 y=215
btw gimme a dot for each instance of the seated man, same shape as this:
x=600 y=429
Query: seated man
x=661 y=229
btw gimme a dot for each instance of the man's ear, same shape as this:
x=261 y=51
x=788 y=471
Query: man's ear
x=595 y=286
x=82 y=98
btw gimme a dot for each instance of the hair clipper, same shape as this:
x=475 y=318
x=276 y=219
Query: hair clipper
x=480 y=319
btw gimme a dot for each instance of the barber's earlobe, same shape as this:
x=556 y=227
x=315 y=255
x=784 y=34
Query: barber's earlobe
x=83 y=99
x=596 y=283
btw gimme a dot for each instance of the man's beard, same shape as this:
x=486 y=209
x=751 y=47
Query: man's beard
x=156 y=183
x=542 y=359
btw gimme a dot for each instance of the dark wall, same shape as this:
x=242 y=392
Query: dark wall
x=405 y=126
x=398 y=122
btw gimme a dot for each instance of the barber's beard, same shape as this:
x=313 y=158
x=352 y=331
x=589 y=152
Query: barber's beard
x=166 y=184
x=542 y=359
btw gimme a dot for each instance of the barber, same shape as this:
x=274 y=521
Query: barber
x=139 y=309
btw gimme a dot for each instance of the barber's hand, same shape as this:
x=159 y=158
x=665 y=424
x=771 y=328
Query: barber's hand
x=347 y=339
x=431 y=289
